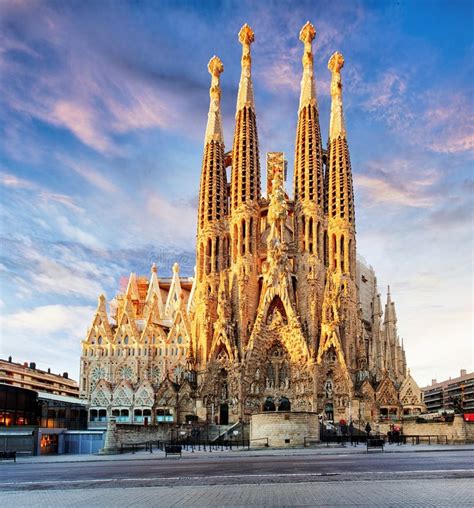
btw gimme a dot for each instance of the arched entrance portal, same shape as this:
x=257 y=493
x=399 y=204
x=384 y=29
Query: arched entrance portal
x=224 y=414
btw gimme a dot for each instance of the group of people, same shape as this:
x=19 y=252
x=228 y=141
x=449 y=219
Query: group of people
x=351 y=431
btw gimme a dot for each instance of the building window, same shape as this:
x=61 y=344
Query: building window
x=164 y=415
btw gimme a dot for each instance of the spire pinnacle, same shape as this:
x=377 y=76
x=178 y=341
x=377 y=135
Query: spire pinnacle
x=308 y=88
x=245 y=96
x=337 y=126
x=246 y=36
x=214 y=124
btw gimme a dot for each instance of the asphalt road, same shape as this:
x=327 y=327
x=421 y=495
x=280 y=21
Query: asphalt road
x=201 y=471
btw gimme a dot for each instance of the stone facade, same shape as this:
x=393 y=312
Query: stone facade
x=283 y=429
x=280 y=315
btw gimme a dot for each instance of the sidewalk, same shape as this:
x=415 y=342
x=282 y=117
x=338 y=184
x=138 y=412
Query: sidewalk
x=255 y=452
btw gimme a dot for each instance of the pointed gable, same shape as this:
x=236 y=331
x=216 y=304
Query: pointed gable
x=173 y=300
x=144 y=395
x=367 y=390
x=123 y=394
x=102 y=394
x=154 y=292
x=100 y=324
x=126 y=324
x=167 y=394
x=191 y=302
x=132 y=287
x=386 y=393
x=410 y=393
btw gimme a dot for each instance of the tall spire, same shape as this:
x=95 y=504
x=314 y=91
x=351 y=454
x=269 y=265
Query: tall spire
x=340 y=193
x=390 y=314
x=214 y=124
x=337 y=126
x=245 y=95
x=308 y=87
x=308 y=180
x=212 y=194
x=245 y=157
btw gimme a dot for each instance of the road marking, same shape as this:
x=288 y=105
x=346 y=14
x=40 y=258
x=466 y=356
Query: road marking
x=263 y=475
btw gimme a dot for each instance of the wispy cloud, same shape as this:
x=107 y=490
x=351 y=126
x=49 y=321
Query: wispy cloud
x=87 y=90
x=45 y=195
x=92 y=175
x=394 y=182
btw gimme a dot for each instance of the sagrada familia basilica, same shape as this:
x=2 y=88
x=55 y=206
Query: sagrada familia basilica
x=280 y=315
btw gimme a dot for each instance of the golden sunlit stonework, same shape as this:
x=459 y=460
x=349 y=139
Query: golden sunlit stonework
x=280 y=314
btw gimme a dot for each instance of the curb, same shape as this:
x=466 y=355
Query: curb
x=249 y=453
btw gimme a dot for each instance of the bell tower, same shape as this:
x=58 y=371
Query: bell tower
x=341 y=218
x=310 y=220
x=244 y=199
x=212 y=232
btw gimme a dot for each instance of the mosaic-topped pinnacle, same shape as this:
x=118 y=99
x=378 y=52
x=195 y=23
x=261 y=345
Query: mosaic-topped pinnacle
x=307 y=33
x=215 y=66
x=246 y=35
x=337 y=126
x=336 y=62
x=214 y=127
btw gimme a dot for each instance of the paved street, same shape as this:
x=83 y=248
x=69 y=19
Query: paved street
x=312 y=479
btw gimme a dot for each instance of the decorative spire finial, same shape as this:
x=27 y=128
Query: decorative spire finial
x=154 y=268
x=245 y=96
x=308 y=88
x=214 y=127
x=307 y=34
x=336 y=62
x=176 y=268
x=246 y=35
x=337 y=125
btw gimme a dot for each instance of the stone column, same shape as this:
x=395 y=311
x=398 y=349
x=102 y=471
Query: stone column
x=111 y=445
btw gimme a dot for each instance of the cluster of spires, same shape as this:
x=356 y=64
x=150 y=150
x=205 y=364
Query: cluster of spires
x=387 y=352
x=245 y=184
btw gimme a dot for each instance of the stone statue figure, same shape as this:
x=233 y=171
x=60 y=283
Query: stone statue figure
x=328 y=389
x=277 y=210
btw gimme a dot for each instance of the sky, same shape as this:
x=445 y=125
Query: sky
x=103 y=107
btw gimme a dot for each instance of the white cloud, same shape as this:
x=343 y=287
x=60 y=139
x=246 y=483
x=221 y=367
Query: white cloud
x=49 y=276
x=45 y=195
x=77 y=234
x=91 y=175
x=49 y=335
x=48 y=319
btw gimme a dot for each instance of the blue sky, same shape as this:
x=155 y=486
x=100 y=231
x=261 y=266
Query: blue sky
x=103 y=106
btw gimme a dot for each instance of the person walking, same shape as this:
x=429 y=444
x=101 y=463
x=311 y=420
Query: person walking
x=351 y=433
x=368 y=429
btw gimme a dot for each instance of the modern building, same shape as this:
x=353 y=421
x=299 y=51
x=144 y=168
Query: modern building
x=28 y=376
x=279 y=314
x=44 y=423
x=456 y=393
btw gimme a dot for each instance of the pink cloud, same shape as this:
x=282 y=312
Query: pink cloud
x=395 y=183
